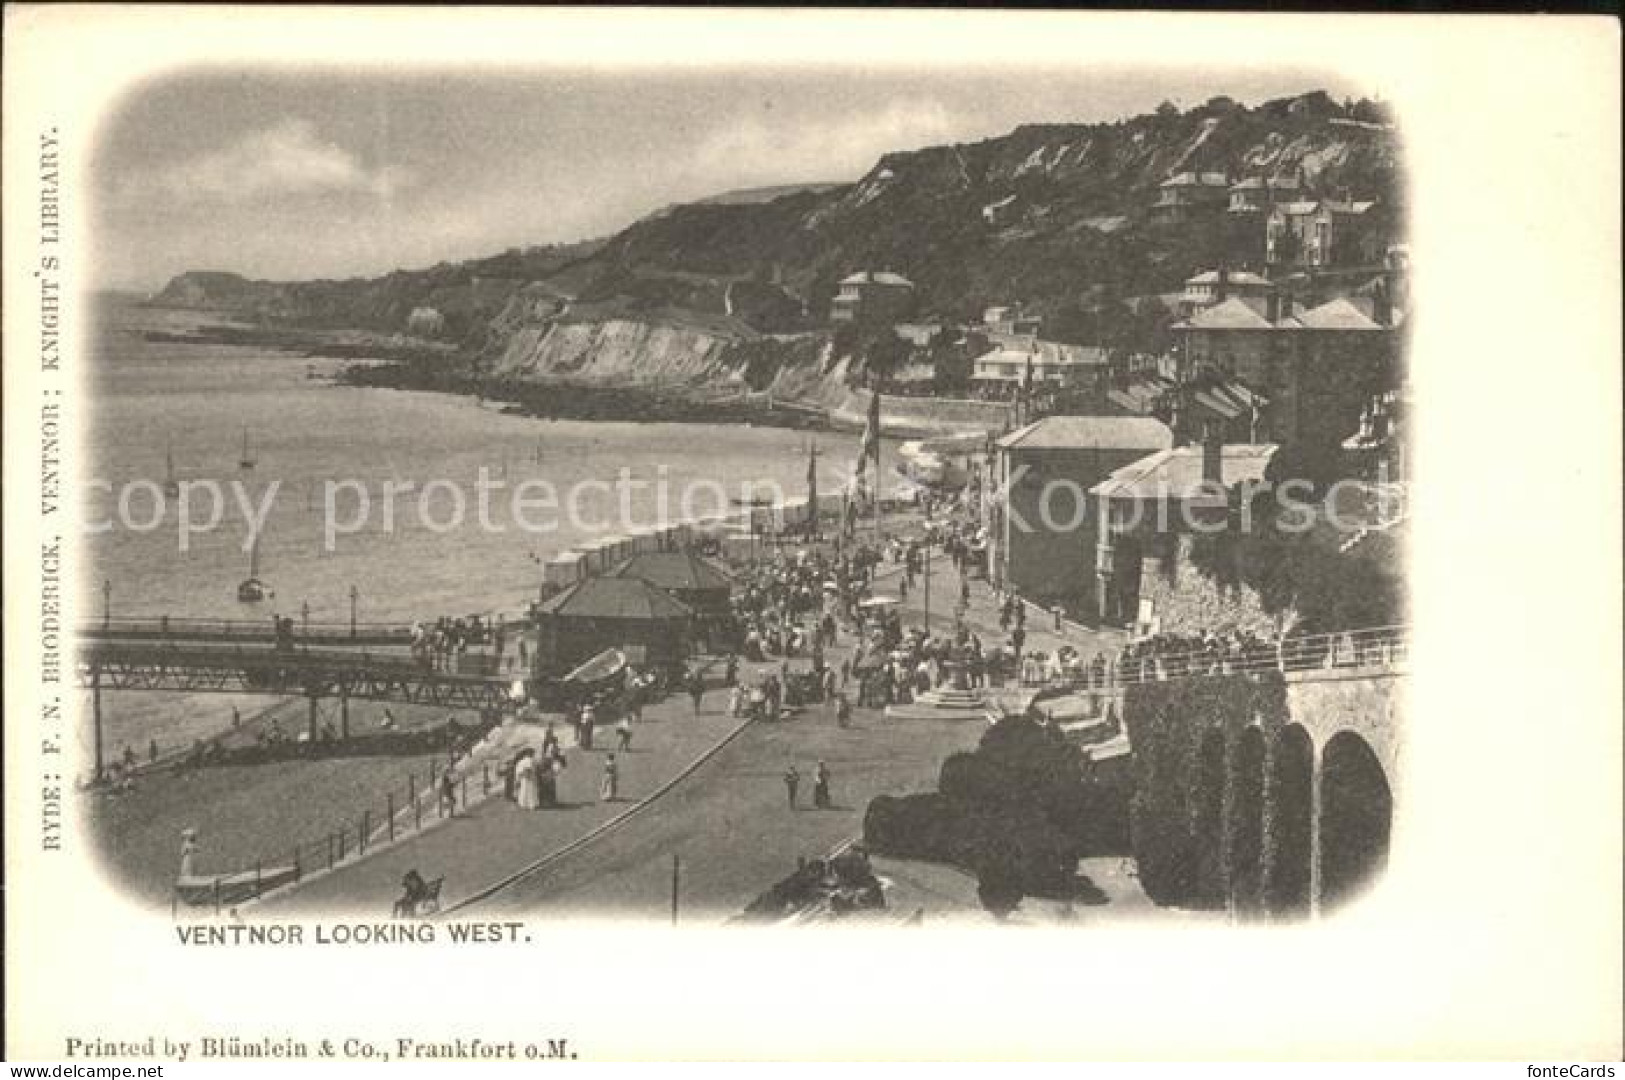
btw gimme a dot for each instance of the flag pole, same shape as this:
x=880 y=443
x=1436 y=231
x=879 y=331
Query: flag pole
x=878 y=531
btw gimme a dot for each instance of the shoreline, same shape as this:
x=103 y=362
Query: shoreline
x=568 y=399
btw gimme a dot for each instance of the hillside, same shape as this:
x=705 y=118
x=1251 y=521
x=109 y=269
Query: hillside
x=1057 y=216
x=465 y=294
x=1077 y=219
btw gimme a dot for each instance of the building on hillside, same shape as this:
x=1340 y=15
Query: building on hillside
x=1322 y=233
x=1054 y=364
x=1317 y=367
x=1257 y=194
x=1010 y=321
x=1041 y=523
x=1190 y=192
x=920 y=335
x=425 y=322
x=872 y=296
x=1212 y=287
x=1144 y=509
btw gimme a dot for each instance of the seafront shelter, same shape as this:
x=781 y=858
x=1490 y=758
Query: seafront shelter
x=695 y=582
x=610 y=612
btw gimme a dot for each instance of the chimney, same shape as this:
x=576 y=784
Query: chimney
x=1221 y=291
x=1212 y=454
x=1272 y=305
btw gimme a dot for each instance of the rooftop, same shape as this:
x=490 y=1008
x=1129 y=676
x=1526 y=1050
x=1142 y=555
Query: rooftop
x=1194 y=179
x=1257 y=183
x=1177 y=472
x=675 y=570
x=1090 y=433
x=1047 y=354
x=1235 y=277
x=1336 y=314
x=615 y=598
x=877 y=277
x=1231 y=314
x=1309 y=206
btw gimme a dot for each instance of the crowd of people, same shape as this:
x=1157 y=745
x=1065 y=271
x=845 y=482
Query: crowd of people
x=438 y=646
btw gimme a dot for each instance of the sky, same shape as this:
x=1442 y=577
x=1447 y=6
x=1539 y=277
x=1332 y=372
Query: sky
x=292 y=175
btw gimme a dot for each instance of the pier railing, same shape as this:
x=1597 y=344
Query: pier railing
x=165 y=628
x=1377 y=646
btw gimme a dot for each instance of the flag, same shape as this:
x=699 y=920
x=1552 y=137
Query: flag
x=871 y=432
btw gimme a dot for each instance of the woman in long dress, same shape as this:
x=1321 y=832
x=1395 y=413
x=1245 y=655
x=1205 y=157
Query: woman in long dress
x=529 y=793
x=189 y=853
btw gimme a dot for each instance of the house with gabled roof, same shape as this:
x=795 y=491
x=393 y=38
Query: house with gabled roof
x=872 y=296
x=1190 y=192
x=1041 y=531
x=1316 y=366
x=1320 y=232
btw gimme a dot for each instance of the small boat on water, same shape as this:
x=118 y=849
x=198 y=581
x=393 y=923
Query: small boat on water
x=246 y=461
x=252 y=590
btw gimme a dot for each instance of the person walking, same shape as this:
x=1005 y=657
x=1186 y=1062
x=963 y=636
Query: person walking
x=609 y=788
x=623 y=734
x=588 y=722
x=843 y=710
x=792 y=781
x=527 y=787
x=189 y=848
x=696 y=689
x=821 y=787
x=448 y=795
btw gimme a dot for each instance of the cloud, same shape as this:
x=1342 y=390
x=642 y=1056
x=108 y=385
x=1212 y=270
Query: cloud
x=285 y=159
x=840 y=148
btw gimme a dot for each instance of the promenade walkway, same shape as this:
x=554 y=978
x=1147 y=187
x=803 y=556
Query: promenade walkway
x=483 y=843
x=728 y=819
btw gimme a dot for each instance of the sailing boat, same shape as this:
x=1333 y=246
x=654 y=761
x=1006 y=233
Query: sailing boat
x=252 y=590
x=247 y=459
x=171 y=485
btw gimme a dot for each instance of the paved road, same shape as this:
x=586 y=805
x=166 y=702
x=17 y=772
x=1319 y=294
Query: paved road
x=730 y=822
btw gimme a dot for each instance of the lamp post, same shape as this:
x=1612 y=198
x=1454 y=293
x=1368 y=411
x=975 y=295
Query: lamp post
x=354 y=596
x=107 y=602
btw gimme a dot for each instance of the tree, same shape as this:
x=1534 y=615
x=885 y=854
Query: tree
x=885 y=353
x=1167 y=109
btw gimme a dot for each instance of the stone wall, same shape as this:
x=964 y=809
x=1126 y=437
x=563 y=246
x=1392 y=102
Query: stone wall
x=1228 y=772
x=1187 y=601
